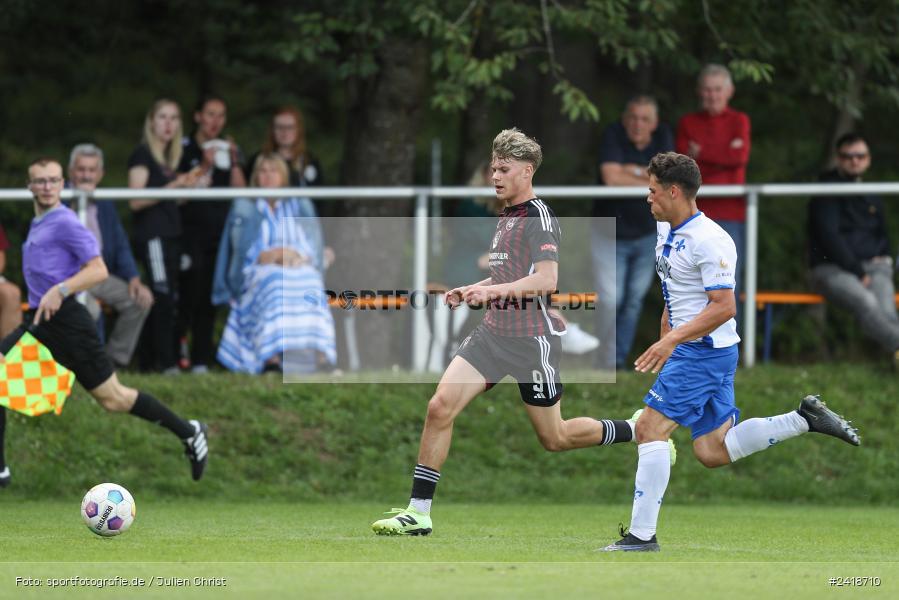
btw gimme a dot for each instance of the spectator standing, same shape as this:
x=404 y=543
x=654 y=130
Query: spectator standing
x=122 y=290
x=157 y=228
x=287 y=138
x=10 y=296
x=850 y=249
x=718 y=139
x=202 y=221
x=625 y=150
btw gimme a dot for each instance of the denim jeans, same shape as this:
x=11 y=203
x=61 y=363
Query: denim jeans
x=737 y=231
x=874 y=306
x=627 y=280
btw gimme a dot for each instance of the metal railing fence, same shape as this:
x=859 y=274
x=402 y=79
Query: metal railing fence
x=422 y=194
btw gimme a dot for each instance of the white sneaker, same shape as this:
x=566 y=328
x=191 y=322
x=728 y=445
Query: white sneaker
x=578 y=341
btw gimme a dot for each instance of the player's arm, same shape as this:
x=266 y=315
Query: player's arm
x=93 y=272
x=722 y=307
x=541 y=282
x=665 y=326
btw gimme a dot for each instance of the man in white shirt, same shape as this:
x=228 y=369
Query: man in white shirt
x=696 y=355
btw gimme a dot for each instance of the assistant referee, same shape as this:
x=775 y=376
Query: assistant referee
x=60 y=258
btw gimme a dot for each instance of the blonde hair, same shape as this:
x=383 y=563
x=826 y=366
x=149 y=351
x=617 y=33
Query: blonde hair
x=512 y=144
x=168 y=154
x=275 y=159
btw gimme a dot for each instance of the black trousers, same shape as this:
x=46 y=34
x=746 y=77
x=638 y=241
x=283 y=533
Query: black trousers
x=161 y=258
x=196 y=313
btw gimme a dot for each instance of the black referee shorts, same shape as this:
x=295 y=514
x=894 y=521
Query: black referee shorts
x=532 y=361
x=71 y=336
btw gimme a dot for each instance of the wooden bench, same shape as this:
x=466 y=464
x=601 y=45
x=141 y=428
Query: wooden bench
x=766 y=300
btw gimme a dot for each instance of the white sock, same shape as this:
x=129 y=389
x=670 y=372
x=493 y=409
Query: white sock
x=653 y=470
x=421 y=505
x=754 y=435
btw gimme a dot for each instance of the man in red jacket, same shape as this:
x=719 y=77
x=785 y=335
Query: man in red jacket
x=717 y=138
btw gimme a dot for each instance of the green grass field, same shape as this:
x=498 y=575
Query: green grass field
x=274 y=549
x=298 y=472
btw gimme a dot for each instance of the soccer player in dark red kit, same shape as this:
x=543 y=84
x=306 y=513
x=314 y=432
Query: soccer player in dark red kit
x=517 y=337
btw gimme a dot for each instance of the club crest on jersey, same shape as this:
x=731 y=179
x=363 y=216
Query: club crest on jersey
x=663 y=267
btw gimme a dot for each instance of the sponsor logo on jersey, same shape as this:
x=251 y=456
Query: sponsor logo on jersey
x=548 y=247
x=663 y=268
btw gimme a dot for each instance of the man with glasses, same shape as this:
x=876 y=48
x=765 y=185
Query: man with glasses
x=849 y=249
x=60 y=258
x=122 y=290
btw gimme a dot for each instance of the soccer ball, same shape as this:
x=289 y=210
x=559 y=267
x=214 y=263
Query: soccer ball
x=108 y=509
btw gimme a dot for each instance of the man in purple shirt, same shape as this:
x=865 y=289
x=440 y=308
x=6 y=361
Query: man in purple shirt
x=60 y=258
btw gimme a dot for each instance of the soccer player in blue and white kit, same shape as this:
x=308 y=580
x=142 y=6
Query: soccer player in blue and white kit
x=697 y=354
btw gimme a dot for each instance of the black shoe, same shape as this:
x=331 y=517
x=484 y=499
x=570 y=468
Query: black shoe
x=5 y=477
x=823 y=420
x=631 y=543
x=196 y=449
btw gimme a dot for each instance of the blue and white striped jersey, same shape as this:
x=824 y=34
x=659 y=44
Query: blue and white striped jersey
x=691 y=259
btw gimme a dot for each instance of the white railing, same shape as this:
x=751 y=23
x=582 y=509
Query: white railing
x=421 y=194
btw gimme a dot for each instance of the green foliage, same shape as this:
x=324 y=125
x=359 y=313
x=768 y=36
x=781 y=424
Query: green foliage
x=358 y=442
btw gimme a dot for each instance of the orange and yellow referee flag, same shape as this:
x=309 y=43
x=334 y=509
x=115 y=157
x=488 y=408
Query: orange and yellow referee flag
x=31 y=382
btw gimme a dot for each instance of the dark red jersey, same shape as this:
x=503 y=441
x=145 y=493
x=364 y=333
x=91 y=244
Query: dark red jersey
x=526 y=234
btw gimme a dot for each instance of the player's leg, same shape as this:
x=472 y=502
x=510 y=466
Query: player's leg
x=460 y=383
x=535 y=364
x=557 y=434
x=729 y=443
x=689 y=378
x=653 y=471
x=116 y=397
x=6 y=345
x=5 y=477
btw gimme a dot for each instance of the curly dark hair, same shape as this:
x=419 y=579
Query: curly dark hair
x=671 y=168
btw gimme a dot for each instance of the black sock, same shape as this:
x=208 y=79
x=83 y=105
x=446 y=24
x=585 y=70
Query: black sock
x=2 y=437
x=149 y=408
x=615 y=432
x=424 y=482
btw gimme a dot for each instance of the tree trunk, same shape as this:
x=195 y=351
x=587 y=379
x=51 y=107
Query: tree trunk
x=373 y=248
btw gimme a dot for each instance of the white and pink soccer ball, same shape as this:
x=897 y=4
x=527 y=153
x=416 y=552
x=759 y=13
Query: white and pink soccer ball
x=108 y=509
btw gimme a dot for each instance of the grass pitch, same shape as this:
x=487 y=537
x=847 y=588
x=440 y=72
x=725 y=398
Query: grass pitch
x=262 y=549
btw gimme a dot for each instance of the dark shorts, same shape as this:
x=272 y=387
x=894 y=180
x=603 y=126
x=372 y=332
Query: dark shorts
x=71 y=336
x=532 y=361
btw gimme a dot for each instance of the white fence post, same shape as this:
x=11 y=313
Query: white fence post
x=419 y=284
x=751 y=270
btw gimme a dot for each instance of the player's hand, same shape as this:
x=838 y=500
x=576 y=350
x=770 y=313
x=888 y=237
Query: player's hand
x=49 y=305
x=140 y=293
x=453 y=297
x=655 y=356
x=477 y=294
